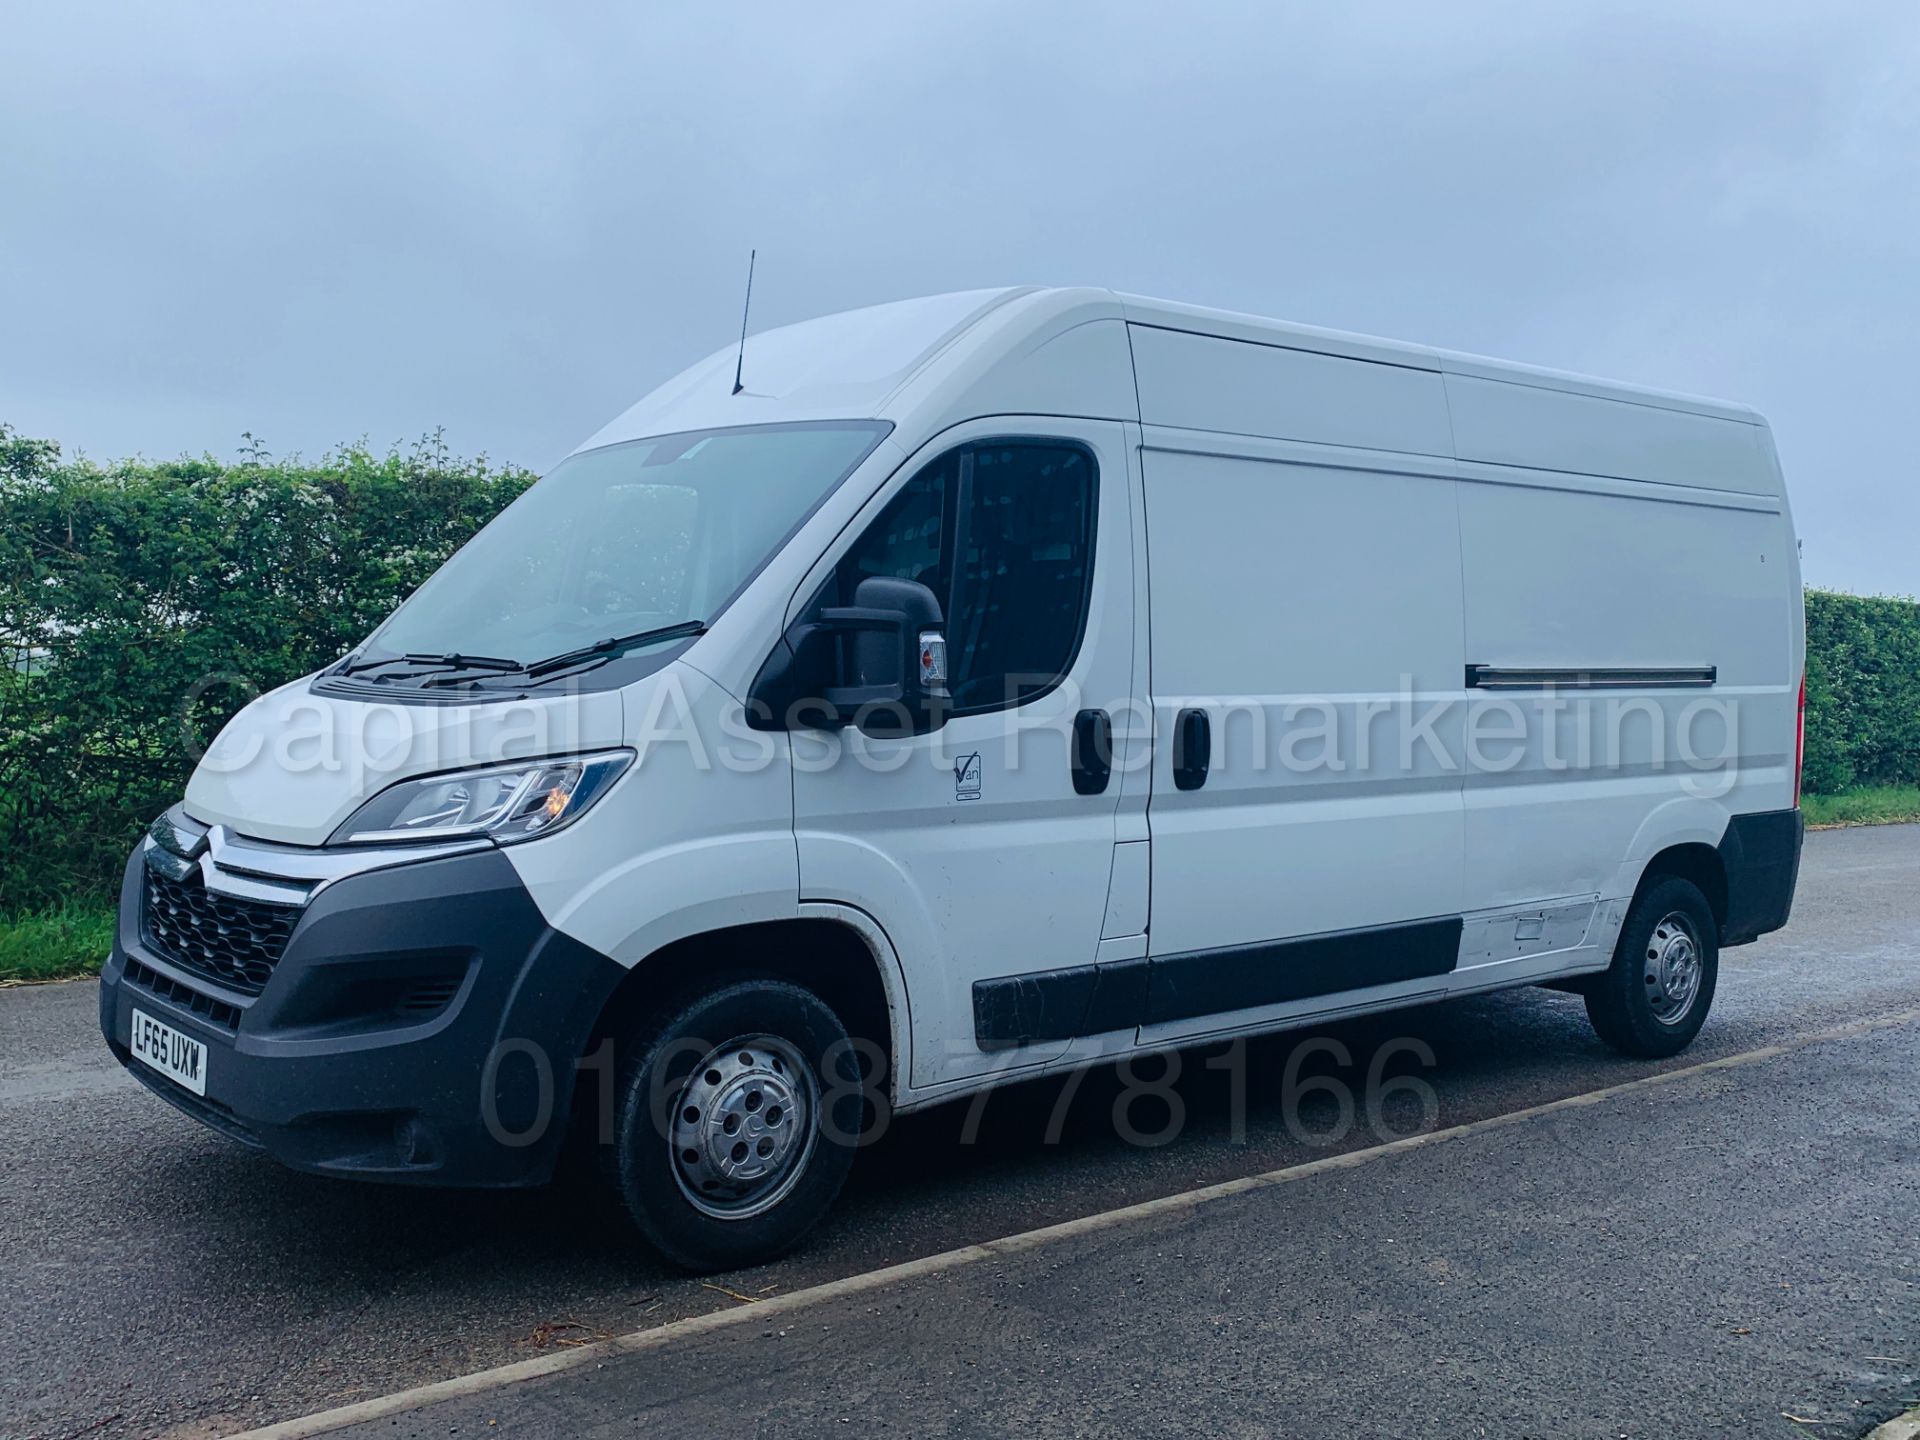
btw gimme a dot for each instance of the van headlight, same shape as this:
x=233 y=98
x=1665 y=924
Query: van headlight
x=502 y=802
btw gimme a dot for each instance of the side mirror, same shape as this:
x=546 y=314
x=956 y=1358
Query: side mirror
x=892 y=652
x=880 y=663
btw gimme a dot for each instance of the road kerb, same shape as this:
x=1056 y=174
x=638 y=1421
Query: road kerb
x=1901 y=1427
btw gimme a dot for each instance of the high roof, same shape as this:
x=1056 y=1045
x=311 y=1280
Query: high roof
x=973 y=351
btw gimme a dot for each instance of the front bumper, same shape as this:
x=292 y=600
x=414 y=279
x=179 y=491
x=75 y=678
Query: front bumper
x=423 y=1024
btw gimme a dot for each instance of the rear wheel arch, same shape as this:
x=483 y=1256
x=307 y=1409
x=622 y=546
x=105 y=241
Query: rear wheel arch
x=1699 y=863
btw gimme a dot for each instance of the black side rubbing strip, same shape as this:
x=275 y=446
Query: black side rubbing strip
x=1591 y=677
x=1058 y=1004
x=1094 y=999
x=1212 y=982
x=1118 y=998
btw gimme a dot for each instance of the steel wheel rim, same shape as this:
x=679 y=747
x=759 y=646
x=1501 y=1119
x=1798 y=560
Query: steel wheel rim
x=1673 y=968
x=743 y=1128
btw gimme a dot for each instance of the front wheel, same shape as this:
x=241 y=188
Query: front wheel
x=738 y=1114
x=1654 y=998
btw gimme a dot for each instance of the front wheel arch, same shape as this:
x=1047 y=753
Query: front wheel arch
x=826 y=956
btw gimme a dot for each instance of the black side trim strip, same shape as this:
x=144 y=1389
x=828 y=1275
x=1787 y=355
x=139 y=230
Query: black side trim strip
x=1591 y=677
x=1761 y=856
x=1058 y=1004
x=1027 y=1009
x=1119 y=997
x=1081 y=1000
x=1211 y=982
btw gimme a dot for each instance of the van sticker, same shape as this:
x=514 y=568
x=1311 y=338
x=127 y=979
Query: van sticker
x=966 y=777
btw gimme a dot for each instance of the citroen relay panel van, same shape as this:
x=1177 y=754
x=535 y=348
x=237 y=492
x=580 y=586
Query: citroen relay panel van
x=986 y=685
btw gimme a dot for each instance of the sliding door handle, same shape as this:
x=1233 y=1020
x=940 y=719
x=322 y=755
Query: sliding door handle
x=1192 y=749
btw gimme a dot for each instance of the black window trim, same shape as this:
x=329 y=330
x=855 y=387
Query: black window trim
x=950 y=544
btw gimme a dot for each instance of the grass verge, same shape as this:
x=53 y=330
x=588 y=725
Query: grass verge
x=1865 y=805
x=55 y=944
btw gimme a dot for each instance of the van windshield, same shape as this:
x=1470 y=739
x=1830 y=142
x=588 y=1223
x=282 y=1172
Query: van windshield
x=622 y=541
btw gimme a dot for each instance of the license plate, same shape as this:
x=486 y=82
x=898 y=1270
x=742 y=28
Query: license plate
x=176 y=1056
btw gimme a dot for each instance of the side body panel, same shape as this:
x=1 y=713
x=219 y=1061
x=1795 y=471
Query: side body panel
x=1572 y=779
x=1601 y=534
x=1422 y=515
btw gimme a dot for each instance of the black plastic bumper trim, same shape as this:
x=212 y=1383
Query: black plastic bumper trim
x=1760 y=854
x=341 y=1068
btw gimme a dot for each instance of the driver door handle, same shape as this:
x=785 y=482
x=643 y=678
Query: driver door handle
x=1092 y=757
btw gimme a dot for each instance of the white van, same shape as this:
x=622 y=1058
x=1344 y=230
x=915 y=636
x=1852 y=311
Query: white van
x=983 y=686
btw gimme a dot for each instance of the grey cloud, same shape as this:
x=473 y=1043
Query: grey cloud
x=319 y=221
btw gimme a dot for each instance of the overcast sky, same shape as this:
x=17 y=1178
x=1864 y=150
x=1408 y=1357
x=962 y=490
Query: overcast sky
x=318 y=222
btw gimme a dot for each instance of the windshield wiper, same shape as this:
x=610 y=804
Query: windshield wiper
x=606 y=649
x=453 y=660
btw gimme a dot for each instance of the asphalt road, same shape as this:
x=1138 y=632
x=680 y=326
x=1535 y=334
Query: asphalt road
x=160 y=1279
x=1538 y=1279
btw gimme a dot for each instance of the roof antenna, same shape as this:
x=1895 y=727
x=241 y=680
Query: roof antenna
x=745 y=310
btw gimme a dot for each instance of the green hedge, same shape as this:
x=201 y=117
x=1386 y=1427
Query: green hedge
x=1863 y=691
x=124 y=587
x=142 y=603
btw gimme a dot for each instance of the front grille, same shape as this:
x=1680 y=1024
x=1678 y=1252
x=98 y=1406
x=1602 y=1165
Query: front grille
x=219 y=1012
x=235 y=943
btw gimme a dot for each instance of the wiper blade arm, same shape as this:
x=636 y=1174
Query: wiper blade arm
x=613 y=645
x=453 y=660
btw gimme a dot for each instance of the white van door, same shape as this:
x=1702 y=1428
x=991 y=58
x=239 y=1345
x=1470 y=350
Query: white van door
x=1306 y=672
x=982 y=849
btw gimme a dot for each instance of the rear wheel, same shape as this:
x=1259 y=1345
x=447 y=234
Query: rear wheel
x=1654 y=998
x=737 y=1117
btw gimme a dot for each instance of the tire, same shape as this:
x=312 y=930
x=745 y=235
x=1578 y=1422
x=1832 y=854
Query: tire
x=1654 y=998
x=736 y=1118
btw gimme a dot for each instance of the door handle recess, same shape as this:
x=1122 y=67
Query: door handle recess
x=1192 y=749
x=1092 y=758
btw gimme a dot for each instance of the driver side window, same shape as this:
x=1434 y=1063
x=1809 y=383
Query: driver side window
x=1002 y=532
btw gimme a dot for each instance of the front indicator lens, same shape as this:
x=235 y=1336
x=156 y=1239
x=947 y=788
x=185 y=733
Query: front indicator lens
x=503 y=802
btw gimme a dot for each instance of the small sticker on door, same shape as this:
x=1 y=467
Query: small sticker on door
x=966 y=777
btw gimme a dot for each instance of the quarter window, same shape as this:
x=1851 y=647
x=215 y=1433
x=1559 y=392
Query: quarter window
x=1002 y=533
